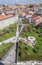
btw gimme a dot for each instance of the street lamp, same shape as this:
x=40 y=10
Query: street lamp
x=17 y=40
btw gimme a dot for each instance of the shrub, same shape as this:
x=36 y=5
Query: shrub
x=19 y=53
x=26 y=48
x=34 y=50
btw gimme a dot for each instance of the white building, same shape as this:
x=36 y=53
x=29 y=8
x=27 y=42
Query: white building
x=5 y=20
x=29 y=17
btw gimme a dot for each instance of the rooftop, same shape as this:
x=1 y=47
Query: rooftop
x=23 y=13
x=37 y=18
x=2 y=17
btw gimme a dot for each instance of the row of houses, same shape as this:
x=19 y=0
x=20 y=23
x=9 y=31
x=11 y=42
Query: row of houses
x=6 y=20
x=30 y=13
x=34 y=18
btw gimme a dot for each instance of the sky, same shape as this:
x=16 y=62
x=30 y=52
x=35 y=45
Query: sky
x=20 y=1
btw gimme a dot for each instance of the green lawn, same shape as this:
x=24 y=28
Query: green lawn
x=33 y=33
x=0 y=30
x=11 y=33
x=26 y=21
x=4 y=49
x=8 y=35
x=26 y=52
x=30 y=33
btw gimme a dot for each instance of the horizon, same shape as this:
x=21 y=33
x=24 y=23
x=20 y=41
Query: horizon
x=20 y=2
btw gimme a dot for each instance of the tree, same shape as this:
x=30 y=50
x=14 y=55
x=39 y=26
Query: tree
x=34 y=50
x=19 y=53
x=31 y=6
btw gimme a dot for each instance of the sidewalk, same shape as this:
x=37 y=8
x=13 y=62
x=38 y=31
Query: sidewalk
x=13 y=39
x=10 y=56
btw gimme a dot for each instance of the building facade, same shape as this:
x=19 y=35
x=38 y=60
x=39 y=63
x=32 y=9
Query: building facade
x=7 y=21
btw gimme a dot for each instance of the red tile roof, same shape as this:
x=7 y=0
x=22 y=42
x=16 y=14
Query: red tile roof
x=37 y=19
x=23 y=13
x=5 y=17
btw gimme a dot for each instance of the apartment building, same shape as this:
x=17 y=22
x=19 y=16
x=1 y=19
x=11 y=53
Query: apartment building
x=5 y=20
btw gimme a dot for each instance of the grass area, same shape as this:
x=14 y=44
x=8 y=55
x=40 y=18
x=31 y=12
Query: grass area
x=14 y=24
x=40 y=30
x=30 y=33
x=0 y=30
x=26 y=52
x=11 y=31
x=4 y=49
x=26 y=21
x=8 y=35
x=35 y=34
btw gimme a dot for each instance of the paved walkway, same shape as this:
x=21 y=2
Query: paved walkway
x=10 y=56
x=25 y=41
x=12 y=39
x=25 y=63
